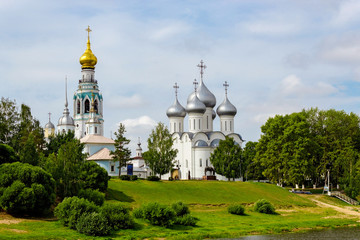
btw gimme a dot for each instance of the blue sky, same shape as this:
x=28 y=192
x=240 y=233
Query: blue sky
x=278 y=56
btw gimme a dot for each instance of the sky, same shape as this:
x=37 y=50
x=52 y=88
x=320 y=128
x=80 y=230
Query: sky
x=278 y=56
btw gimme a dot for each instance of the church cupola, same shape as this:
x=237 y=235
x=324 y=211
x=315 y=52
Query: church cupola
x=49 y=129
x=139 y=150
x=176 y=114
x=226 y=111
x=88 y=59
x=66 y=122
x=195 y=109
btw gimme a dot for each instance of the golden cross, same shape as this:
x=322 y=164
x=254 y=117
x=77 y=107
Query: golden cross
x=88 y=30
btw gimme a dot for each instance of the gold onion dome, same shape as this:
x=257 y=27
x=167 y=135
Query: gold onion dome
x=88 y=59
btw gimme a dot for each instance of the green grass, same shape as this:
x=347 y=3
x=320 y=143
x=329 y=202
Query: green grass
x=208 y=201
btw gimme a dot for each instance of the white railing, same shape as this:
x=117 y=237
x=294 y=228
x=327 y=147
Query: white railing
x=344 y=198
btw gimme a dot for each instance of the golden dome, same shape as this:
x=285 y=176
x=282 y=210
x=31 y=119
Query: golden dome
x=88 y=59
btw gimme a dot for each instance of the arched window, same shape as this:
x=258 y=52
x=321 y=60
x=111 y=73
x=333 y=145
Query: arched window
x=174 y=127
x=194 y=125
x=225 y=126
x=215 y=143
x=207 y=162
x=78 y=106
x=96 y=106
x=200 y=162
x=87 y=106
x=201 y=143
x=180 y=127
x=230 y=125
x=199 y=124
x=95 y=129
x=207 y=122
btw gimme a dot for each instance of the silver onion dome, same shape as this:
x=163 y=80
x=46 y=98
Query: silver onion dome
x=226 y=108
x=213 y=114
x=49 y=125
x=176 y=110
x=205 y=95
x=194 y=105
x=66 y=119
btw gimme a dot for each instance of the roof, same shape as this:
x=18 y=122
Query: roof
x=96 y=139
x=103 y=154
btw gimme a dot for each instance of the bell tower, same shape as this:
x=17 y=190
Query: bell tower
x=88 y=101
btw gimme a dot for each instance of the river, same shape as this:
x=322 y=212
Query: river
x=337 y=233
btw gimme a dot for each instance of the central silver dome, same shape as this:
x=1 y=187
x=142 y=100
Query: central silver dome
x=194 y=105
x=205 y=95
x=176 y=110
x=49 y=125
x=226 y=108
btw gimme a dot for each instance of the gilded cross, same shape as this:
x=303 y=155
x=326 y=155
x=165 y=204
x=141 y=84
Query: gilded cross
x=176 y=89
x=88 y=30
x=226 y=85
x=202 y=68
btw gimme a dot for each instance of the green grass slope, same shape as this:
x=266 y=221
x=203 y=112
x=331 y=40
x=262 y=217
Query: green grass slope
x=201 y=192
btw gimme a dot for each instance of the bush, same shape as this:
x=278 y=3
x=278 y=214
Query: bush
x=180 y=209
x=93 y=224
x=134 y=178
x=236 y=209
x=264 y=206
x=25 y=189
x=171 y=179
x=186 y=220
x=71 y=209
x=153 y=178
x=138 y=213
x=125 y=177
x=117 y=216
x=93 y=176
x=7 y=154
x=157 y=214
x=92 y=195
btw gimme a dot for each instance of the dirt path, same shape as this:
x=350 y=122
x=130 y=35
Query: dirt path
x=343 y=210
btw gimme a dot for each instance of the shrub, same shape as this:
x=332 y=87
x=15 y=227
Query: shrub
x=138 y=213
x=236 y=209
x=186 y=220
x=93 y=176
x=70 y=210
x=134 y=178
x=92 y=195
x=171 y=179
x=93 y=224
x=153 y=178
x=117 y=216
x=25 y=189
x=7 y=154
x=264 y=206
x=180 y=209
x=125 y=177
x=158 y=214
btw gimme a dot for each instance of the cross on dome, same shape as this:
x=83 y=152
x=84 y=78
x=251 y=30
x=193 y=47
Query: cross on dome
x=195 y=84
x=226 y=85
x=202 y=68
x=88 y=30
x=176 y=89
x=49 y=115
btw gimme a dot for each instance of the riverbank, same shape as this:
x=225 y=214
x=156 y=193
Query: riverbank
x=208 y=201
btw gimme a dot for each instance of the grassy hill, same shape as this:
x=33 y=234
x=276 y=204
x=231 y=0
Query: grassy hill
x=201 y=192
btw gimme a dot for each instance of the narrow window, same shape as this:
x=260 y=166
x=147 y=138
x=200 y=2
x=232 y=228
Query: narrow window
x=225 y=126
x=194 y=124
x=207 y=162
x=180 y=127
x=87 y=106
x=230 y=125
x=96 y=106
x=189 y=124
x=112 y=168
x=207 y=122
x=95 y=129
x=200 y=162
x=174 y=127
x=199 y=125
x=78 y=106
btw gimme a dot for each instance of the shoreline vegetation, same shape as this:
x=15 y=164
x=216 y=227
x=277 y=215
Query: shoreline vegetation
x=208 y=201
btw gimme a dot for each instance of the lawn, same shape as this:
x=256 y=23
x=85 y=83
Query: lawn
x=208 y=200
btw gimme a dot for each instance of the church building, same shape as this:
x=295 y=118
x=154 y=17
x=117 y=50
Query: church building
x=197 y=143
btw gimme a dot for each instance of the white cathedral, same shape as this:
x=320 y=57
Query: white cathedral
x=194 y=146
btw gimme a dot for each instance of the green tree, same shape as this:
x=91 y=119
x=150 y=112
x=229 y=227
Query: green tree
x=122 y=153
x=160 y=154
x=250 y=167
x=25 y=189
x=93 y=176
x=227 y=158
x=7 y=154
x=9 y=118
x=65 y=167
x=55 y=141
x=29 y=153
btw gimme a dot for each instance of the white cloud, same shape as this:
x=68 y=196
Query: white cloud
x=293 y=86
x=349 y=12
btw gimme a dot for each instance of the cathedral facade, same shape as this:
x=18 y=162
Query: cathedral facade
x=197 y=143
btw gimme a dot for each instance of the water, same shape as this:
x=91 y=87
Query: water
x=338 y=233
